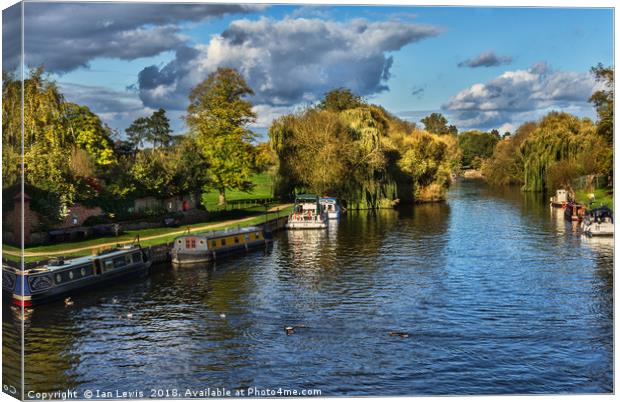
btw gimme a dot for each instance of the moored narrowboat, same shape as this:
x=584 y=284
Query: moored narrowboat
x=205 y=247
x=560 y=199
x=62 y=277
x=308 y=213
x=331 y=207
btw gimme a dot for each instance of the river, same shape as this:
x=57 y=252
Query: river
x=494 y=291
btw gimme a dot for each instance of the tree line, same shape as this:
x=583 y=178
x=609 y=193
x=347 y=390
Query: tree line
x=341 y=146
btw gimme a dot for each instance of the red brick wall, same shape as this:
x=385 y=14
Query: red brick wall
x=80 y=213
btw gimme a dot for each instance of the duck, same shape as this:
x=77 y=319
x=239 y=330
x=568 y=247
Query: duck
x=68 y=302
x=222 y=315
x=289 y=330
x=115 y=300
x=129 y=316
x=397 y=333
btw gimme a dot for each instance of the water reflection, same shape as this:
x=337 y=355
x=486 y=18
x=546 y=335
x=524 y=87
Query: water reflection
x=497 y=294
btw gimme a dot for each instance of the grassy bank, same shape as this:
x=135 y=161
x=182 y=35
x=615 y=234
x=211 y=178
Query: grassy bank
x=601 y=197
x=148 y=237
x=263 y=189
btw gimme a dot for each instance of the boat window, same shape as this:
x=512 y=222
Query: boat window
x=202 y=242
x=236 y=239
x=108 y=264
x=137 y=257
x=119 y=262
x=83 y=272
x=58 y=278
x=213 y=243
x=223 y=242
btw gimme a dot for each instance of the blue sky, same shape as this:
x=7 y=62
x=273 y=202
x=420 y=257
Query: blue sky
x=481 y=67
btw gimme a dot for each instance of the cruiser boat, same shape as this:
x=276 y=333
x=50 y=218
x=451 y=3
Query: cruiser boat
x=331 y=206
x=62 y=277
x=205 y=247
x=598 y=222
x=308 y=213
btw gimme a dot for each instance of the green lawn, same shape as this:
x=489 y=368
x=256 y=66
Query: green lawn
x=256 y=214
x=601 y=197
x=263 y=188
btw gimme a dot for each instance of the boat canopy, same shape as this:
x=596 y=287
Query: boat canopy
x=306 y=197
x=602 y=212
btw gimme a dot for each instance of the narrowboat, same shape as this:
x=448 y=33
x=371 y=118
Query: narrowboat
x=308 y=213
x=61 y=277
x=560 y=199
x=598 y=222
x=205 y=247
x=331 y=207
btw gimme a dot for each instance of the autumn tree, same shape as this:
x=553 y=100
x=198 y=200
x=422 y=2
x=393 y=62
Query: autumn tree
x=436 y=123
x=340 y=99
x=218 y=116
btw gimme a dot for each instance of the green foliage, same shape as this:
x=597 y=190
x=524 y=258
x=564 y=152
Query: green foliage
x=65 y=145
x=560 y=137
x=506 y=165
x=340 y=99
x=218 y=116
x=363 y=155
x=154 y=129
x=476 y=146
x=603 y=100
x=436 y=123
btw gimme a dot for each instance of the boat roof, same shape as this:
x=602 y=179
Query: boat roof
x=312 y=197
x=221 y=233
x=328 y=199
x=601 y=211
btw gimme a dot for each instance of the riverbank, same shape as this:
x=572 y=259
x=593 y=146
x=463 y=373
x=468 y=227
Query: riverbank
x=148 y=237
x=601 y=197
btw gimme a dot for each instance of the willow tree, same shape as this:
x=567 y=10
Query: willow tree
x=560 y=137
x=218 y=116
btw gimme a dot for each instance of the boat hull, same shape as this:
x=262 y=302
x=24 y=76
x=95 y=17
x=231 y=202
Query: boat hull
x=333 y=215
x=32 y=297
x=189 y=257
x=599 y=229
x=306 y=225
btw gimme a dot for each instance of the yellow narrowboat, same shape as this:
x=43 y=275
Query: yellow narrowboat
x=205 y=247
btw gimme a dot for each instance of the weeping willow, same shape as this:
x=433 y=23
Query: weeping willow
x=355 y=154
x=558 y=137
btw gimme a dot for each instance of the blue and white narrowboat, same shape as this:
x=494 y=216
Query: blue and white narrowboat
x=331 y=206
x=308 y=213
x=62 y=277
x=205 y=247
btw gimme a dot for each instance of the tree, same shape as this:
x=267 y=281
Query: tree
x=436 y=123
x=340 y=99
x=159 y=129
x=495 y=133
x=218 y=116
x=138 y=132
x=476 y=146
x=603 y=100
x=154 y=129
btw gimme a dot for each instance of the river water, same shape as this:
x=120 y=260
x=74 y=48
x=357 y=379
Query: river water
x=496 y=294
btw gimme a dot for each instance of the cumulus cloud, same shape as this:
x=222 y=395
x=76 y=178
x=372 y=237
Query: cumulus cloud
x=287 y=62
x=65 y=36
x=486 y=59
x=518 y=95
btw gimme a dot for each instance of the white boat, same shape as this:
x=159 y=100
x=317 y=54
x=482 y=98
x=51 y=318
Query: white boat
x=307 y=213
x=332 y=207
x=560 y=199
x=598 y=222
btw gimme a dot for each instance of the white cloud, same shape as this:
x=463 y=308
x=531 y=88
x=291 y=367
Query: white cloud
x=520 y=95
